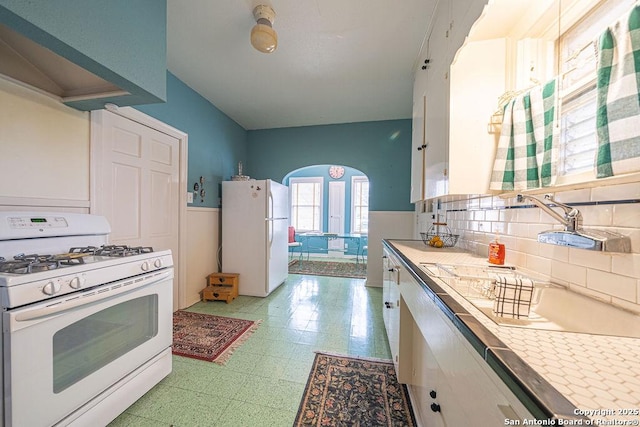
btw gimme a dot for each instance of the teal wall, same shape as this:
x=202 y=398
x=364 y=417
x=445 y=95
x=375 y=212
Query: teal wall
x=216 y=142
x=122 y=41
x=381 y=150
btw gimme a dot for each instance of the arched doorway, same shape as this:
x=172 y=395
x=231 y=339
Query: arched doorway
x=329 y=209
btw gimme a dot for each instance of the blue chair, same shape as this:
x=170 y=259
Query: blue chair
x=363 y=250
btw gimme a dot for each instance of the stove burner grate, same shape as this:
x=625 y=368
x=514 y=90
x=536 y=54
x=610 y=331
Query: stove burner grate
x=90 y=250
x=25 y=264
x=123 y=250
x=112 y=250
x=32 y=263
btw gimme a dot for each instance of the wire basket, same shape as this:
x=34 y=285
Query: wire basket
x=439 y=236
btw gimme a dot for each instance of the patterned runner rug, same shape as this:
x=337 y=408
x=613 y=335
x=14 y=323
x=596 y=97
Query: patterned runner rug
x=329 y=268
x=208 y=337
x=348 y=391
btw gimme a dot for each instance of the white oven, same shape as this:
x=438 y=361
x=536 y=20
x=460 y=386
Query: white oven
x=82 y=341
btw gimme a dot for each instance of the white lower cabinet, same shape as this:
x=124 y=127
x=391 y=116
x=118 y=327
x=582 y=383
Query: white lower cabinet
x=391 y=305
x=434 y=402
x=392 y=308
x=450 y=383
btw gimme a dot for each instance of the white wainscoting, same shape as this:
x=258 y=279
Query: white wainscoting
x=203 y=240
x=385 y=225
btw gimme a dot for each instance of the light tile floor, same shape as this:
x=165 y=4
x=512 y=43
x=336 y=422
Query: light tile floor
x=263 y=382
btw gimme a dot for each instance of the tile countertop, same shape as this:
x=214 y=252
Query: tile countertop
x=562 y=375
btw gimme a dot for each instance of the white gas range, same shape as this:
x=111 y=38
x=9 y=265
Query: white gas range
x=87 y=326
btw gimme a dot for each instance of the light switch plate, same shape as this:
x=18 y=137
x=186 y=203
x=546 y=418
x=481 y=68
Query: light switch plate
x=189 y=197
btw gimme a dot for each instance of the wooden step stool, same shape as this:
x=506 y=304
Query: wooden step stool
x=221 y=287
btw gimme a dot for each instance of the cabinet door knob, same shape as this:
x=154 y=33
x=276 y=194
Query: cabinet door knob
x=432 y=393
x=435 y=407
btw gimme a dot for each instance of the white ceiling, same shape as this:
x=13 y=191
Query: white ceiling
x=337 y=61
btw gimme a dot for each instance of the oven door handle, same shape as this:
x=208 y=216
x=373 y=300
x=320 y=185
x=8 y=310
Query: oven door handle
x=97 y=297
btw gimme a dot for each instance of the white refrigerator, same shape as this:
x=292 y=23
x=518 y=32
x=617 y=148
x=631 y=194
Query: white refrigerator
x=255 y=234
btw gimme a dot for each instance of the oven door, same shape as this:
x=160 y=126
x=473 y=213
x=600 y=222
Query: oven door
x=60 y=354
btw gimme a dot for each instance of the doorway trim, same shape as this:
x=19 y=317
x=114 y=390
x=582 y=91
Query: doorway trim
x=336 y=197
x=137 y=116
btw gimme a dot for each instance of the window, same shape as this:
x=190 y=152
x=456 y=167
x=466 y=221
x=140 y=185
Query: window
x=359 y=204
x=306 y=203
x=578 y=143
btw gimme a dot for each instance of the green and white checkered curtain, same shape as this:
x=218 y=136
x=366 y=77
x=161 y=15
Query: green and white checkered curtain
x=527 y=151
x=618 y=97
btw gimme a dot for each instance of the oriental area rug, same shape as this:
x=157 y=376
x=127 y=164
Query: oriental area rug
x=329 y=268
x=351 y=391
x=208 y=337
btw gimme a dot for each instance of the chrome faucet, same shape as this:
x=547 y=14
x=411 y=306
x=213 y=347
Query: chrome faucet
x=572 y=219
x=573 y=234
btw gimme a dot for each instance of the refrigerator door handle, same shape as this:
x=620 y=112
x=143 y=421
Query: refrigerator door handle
x=269 y=234
x=270 y=208
x=270 y=225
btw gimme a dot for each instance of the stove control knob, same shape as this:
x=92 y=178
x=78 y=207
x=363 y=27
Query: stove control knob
x=51 y=288
x=157 y=263
x=145 y=266
x=76 y=282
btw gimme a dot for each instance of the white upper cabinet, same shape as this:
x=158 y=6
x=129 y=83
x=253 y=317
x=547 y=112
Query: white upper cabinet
x=477 y=75
x=436 y=129
x=451 y=23
x=417 y=150
x=479 y=54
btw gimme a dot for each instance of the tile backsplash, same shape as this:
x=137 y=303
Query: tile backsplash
x=612 y=277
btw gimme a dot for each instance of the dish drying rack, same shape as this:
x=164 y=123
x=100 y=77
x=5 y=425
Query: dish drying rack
x=441 y=230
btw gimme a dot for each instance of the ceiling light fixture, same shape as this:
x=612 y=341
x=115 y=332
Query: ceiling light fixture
x=263 y=37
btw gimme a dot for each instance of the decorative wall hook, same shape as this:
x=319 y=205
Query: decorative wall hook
x=198 y=188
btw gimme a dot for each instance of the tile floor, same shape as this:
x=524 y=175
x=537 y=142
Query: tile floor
x=263 y=382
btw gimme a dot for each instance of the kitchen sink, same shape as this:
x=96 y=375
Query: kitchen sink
x=553 y=307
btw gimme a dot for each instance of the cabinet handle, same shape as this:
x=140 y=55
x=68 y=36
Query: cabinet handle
x=384 y=256
x=392 y=270
x=432 y=393
x=435 y=407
